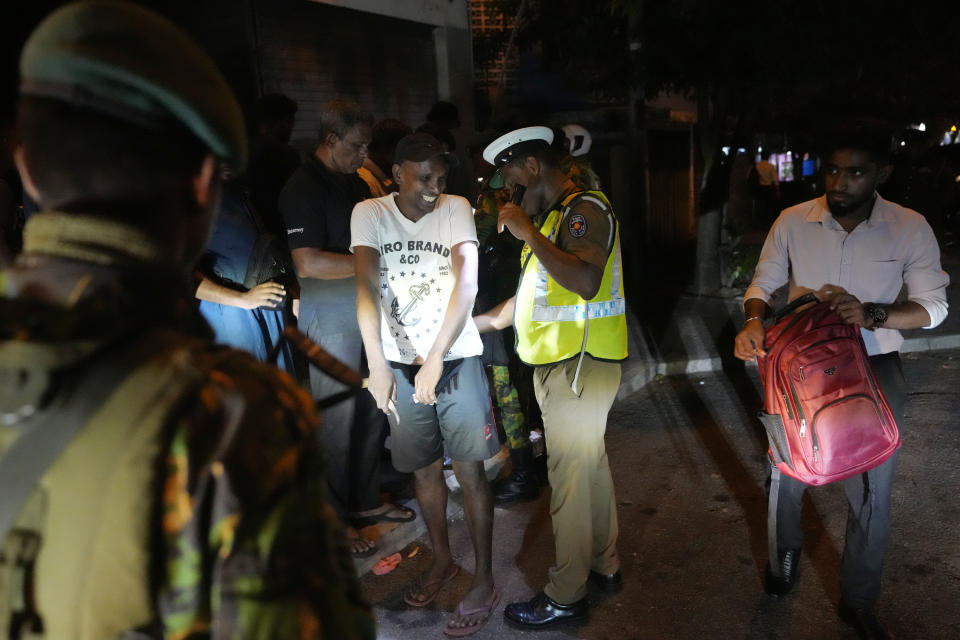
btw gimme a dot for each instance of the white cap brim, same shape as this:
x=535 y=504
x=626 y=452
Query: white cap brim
x=497 y=149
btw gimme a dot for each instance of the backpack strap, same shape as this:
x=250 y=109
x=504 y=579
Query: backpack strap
x=805 y=299
x=772 y=500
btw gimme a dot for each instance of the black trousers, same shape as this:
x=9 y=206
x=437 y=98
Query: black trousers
x=868 y=495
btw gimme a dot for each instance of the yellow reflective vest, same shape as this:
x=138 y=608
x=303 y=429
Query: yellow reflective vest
x=553 y=324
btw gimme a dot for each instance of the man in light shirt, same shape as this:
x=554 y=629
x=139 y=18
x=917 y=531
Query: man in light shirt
x=416 y=260
x=863 y=250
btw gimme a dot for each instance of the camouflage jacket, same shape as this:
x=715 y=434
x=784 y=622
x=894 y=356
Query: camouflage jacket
x=250 y=547
x=581 y=172
x=499 y=269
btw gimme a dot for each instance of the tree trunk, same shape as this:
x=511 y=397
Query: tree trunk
x=707 y=277
x=714 y=187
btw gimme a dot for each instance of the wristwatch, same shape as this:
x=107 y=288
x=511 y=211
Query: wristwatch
x=876 y=312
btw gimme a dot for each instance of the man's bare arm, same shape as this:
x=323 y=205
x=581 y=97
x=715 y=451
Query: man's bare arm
x=500 y=317
x=465 y=258
x=749 y=342
x=382 y=384
x=324 y=265
x=900 y=315
x=568 y=270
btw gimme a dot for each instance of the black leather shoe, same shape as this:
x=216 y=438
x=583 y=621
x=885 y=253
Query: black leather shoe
x=522 y=484
x=864 y=622
x=541 y=611
x=607 y=583
x=778 y=586
x=518 y=487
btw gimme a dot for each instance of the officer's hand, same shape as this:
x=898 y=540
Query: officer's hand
x=425 y=383
x=516 y=220
x=749 y=342
x=266 y=294
x=383 y=387
x=850 y=310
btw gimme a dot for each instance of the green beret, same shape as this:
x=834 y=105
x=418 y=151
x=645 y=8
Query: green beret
x=128 y=62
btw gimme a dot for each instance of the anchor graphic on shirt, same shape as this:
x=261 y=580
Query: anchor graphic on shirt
x=417 y=293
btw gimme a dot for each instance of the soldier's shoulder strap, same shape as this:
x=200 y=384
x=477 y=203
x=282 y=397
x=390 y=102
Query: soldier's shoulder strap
x=46 y=432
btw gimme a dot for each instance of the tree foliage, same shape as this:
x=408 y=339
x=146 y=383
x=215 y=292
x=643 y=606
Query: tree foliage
x=778 y=63
x=792 y=66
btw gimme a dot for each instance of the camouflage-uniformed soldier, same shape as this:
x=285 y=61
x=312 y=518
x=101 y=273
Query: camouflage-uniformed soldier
x=498 y=273
x=581 y=172
x=182 y=504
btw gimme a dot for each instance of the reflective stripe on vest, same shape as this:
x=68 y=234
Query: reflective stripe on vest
x=543 y=311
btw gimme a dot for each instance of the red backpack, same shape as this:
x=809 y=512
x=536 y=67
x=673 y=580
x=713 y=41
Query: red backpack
x=826 y=417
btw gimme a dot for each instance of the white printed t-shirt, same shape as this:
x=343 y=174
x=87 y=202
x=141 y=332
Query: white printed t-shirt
x=416 y=273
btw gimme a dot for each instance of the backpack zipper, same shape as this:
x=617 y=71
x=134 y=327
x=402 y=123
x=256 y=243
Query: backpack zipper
x=786 y=403
x=803 y=419
x=803 y=422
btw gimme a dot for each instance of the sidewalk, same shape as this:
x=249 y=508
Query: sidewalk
x=696 y=335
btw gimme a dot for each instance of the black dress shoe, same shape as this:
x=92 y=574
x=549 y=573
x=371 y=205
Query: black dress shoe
x=541 y=611
x=522 y=484
x=864 y=622
x=778 y=586
x=607 y=583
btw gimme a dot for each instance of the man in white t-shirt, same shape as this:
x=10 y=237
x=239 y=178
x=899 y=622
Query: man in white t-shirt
x=416 y=262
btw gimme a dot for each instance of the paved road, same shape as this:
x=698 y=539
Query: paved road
x=688 y=462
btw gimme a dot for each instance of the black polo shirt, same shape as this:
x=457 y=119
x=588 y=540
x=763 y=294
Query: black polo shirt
x=316 y=204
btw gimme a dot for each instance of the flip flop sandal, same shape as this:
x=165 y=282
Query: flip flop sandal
x=461 y=613
x=365 y=521
x=386 y=565
x=431 y=588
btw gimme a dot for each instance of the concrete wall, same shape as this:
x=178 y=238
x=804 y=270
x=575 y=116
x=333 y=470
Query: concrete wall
x=315 y=52
x=450 y=13
x=396 y=58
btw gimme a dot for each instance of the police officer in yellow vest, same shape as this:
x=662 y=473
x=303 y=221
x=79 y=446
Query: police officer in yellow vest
x=570 y=323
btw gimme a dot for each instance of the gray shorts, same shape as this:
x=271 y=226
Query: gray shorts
x=462 y=417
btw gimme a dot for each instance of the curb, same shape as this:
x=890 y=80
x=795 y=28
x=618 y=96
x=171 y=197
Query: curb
x=646 y=363
x=401 y=535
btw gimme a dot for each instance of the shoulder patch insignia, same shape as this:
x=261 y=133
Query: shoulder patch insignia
x=577 y=225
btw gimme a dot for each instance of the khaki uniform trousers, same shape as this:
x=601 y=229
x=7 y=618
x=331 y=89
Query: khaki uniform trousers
x=582 y=505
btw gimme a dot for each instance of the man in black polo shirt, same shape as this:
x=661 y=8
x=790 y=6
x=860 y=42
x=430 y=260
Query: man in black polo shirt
x=316 y=204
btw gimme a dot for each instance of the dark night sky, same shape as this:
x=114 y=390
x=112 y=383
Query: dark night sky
x=17 y=20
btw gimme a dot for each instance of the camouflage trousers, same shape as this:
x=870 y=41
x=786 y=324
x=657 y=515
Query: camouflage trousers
x=505 y=395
